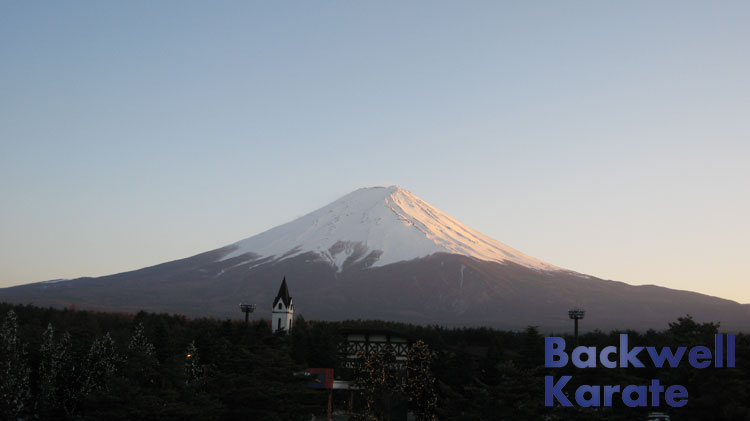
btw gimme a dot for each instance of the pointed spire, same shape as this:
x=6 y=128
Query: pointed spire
x=283 y=294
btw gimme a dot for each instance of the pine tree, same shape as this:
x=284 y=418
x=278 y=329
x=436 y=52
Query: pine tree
x=139 y=344
x=101 y=364
x=68 y=376
x=14 y=372
x=47 y=395
x=379 y=378
x=141 y=365
x=300 y=340
x=60 y=381
x=420 y=382
x=193 y=369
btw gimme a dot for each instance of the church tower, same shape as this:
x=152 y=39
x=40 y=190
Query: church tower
x=283 y=310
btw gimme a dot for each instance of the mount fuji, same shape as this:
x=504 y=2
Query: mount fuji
x=383 y=253
x=376 y=227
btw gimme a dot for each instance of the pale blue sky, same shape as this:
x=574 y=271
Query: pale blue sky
x=611 y=138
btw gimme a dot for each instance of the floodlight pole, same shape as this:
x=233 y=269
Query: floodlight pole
x=576 y=314
x=247 y=309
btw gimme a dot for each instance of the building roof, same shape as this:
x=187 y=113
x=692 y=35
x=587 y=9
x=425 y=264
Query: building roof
x=283 y=295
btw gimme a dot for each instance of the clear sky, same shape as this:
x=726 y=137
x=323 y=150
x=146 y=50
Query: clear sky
x=611 y=138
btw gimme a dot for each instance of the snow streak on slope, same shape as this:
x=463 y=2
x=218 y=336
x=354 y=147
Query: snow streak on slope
x=386 y=220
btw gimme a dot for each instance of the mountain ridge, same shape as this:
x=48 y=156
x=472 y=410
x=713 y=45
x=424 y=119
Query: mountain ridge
x=339 y=264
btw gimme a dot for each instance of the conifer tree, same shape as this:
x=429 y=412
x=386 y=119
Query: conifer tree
x=139 y=344
x=101 y=364
x=193 y=369
x=47 y=394
x=60 y=382
x=14 y=372
x=141 y=365
x=420 y=382
x=378 y=377
x=300 y=340
x=68 y=376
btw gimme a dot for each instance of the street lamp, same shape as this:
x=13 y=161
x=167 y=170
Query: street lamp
x=247 y=309
x=576 y=314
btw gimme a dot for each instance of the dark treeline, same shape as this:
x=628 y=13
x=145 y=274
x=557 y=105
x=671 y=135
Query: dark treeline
x=67 y=364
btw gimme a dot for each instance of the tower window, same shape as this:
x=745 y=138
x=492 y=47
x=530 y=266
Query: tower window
x=279 y=306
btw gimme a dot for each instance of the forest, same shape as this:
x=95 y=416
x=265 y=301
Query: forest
x=83 y=365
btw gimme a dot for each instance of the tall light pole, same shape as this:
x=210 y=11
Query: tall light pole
x=576 y=314
x=247 y=309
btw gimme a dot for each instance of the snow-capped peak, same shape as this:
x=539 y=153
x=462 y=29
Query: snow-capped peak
x=388 y=221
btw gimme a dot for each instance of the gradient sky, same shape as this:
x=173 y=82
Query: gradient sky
x=611 y=138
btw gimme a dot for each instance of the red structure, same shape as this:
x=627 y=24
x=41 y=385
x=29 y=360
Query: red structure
x=322 y=378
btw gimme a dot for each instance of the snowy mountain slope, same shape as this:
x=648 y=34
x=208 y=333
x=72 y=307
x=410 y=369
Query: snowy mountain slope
x=379 y=225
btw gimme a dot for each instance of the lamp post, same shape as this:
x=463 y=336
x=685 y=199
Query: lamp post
x=247 y=309
x=576 y=314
